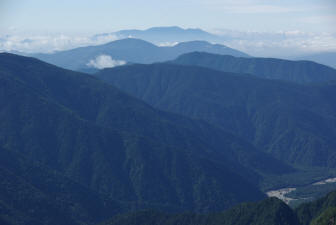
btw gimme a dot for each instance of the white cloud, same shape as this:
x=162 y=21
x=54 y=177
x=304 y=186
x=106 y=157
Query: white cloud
x=33 y=43
x=168 y=44
x=279 y=44
x=105 y=61
x=275 y=44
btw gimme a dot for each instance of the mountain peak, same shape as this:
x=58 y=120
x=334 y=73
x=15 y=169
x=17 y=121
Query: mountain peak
x=130 y=42
x=168 y=28
x=169 y=34
x=174 y=29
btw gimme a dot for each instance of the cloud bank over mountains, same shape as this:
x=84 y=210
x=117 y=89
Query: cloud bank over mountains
x=279 y=44
x=46 y=43
x=268 y=44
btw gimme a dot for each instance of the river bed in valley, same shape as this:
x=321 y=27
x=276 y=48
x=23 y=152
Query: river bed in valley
x=283 y=192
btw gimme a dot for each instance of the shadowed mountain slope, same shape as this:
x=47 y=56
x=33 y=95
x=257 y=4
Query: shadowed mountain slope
x=268 y=212
x=32 y=193
x=270 y=68
x=119 y=146
x=295 y=123
x=318 y=210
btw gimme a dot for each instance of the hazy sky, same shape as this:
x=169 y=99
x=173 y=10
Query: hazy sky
x=258 y=27
x=111 y=15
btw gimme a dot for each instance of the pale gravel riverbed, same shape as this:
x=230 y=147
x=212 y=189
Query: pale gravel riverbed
x=280 y=194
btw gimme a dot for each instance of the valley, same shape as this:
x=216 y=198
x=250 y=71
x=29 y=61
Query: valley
x=326 y=181
x=282 y=194
x=297 y=195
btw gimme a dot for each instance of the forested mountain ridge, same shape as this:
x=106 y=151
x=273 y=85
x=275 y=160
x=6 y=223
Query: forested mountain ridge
x=271 y=211
x=119 y=147
x=326 y=58
x=294 y=122
x=268 y=212
x=270 y=68
x=63 y=131
x=32 y=193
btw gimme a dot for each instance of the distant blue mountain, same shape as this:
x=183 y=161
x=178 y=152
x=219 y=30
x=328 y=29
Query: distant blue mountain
x=131 y=50
x=326 y=58
x=167 y=34
x=270 y=68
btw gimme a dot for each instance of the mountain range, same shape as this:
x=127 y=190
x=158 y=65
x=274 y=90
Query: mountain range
x=167 y=35
x=293 y=122
x=326 y=58
x=75 y=150
x=130 y=50
x=271 y=44
x=172 y=137
x=164 y=127
x=270 y=68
